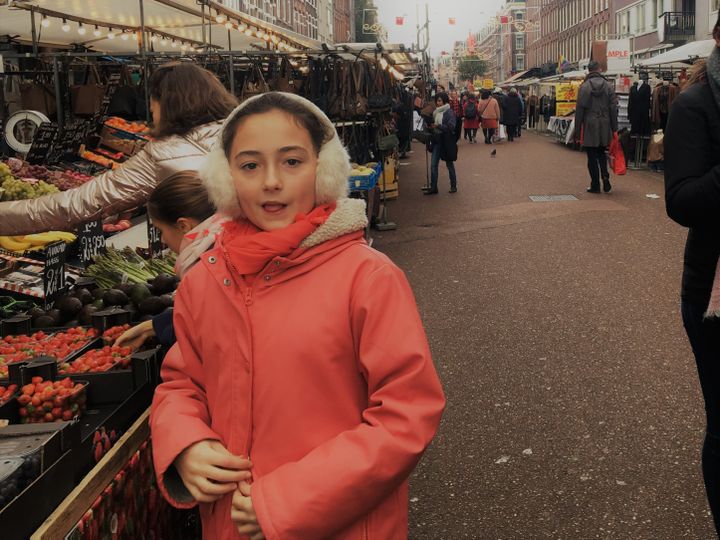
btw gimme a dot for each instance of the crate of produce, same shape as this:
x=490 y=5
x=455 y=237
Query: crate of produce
x=44 y=400
x=364 y=178
x=10 y=480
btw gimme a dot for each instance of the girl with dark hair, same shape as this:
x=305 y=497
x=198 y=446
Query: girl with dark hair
x=295 y=405
x=180 y=207
x=443 y=145
x=692 y=198
x=188 y=104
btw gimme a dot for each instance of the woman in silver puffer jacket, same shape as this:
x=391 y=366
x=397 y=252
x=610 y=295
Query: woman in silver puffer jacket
x=188 y=104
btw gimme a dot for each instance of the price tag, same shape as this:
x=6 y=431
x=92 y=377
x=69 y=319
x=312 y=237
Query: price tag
x=75 y=134
x=54 y=272
x=91 y=240
x=111 y=87
x=155 y=243
x=43 y=143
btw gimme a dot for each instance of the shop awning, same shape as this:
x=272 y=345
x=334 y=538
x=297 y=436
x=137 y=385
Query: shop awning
x=172 y=24
x=514 y=78
x=685 y=54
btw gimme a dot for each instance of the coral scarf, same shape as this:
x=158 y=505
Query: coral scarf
x=249 y=249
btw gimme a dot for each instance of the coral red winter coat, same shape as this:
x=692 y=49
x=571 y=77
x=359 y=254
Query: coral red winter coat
x=319 y=371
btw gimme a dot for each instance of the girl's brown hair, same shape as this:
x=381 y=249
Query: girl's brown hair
x=698 y=74
x=181 y=195
x=189 y=96
x=277 y=101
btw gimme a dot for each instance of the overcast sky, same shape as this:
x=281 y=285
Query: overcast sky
x=470 y=15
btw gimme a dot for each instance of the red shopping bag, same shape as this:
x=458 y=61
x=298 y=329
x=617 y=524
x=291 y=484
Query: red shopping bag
x=617 y=157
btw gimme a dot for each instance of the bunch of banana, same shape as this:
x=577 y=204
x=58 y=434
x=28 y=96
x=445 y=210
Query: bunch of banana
x=32 y=242
x=361 y=171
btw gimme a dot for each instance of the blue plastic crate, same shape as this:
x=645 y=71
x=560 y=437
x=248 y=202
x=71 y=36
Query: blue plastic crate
x=364 y=183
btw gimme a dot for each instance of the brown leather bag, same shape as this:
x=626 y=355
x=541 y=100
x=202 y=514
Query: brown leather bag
x=254 y=84
x=38 y=96
x=87 y=97
x=285 y=81
x=358 y=94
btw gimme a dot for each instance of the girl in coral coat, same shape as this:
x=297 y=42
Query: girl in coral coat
x=301 y=393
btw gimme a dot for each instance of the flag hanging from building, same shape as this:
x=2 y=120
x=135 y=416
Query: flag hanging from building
x=399 y=21
x=451 y=20
x=504 y=19
x=471 y=43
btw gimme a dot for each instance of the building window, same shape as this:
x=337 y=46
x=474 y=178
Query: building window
x=520 y=62
x=653 y=14
x=714 y=5
x=641 y=18
x=519 y=41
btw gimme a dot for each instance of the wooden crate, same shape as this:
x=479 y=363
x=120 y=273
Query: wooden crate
x=392 y=191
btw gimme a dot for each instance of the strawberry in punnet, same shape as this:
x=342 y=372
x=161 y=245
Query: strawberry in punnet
x=28 y=389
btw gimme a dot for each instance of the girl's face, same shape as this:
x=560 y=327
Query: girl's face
x=439 y=102
x=173 y=233
x=273 y=164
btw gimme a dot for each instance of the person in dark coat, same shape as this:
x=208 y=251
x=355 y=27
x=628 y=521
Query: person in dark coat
x=595 y=123
x=500 y=98
x=512 y=112
x=639 y=108
x=443 y=145
x=692 y=199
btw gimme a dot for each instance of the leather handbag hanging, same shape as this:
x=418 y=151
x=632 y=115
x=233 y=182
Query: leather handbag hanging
x=358 y=96
x=87 y=97
x=254 y=84
x=336 y=98
x=380 y=99
x=38 y=95
x=285 y=81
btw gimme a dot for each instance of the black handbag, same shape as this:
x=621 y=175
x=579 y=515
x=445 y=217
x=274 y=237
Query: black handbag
x=380 y=99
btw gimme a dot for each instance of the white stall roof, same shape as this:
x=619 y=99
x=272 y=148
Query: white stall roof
x=685 y=54
x=179 y=19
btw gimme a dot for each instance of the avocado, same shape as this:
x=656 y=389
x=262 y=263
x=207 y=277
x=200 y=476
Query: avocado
x=84 y=296
x=86 y=313
x=44 y=321
x=69 y=307
x=151 y=306
x=138 y=293
x=36 y=312
x=55 y=315
x=164 y=283
x=125 y=287
x=167 y=300
x=115 y=297
x=98 y=293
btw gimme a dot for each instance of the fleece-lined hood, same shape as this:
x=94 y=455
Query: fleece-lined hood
x=333 y=168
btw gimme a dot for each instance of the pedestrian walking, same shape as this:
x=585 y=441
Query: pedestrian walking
x=595 y=123
x=692 y=176
x=489 y=110
x=523 y=114
x=443 y=145
x=512 y=113
x=457 y=106
x=471 y=116
x=462 y=106
x=292 y=298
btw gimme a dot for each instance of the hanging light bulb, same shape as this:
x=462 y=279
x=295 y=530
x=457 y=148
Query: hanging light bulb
x=45 y=22
x=153 y=38
x=183 y=47
x=173 y=44
x=81 y=29
x=111 y=34
x=65 y=27
x=124 y=36
x=242 y=27
x=97 y=31
x=229 y=25
x=220 y=17
x=275 y=40
x=163 y=41
x=248 y=32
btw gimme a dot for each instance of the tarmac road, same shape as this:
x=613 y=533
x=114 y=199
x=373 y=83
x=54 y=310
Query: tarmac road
x=574 y=409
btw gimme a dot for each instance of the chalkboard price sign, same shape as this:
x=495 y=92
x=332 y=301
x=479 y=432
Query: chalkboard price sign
x=75 y=134
x=54 y=272
x=91 y=240
x=155 y=243
x=43 y=143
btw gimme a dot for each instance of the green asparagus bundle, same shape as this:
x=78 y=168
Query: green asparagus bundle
x=125 y=266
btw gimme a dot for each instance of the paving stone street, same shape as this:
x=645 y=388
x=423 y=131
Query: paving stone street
x=574 y=409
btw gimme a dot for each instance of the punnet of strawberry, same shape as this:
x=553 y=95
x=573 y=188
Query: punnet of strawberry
x=51 y=401
x=6 y=392
x=111 y=334
x=98 y=360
